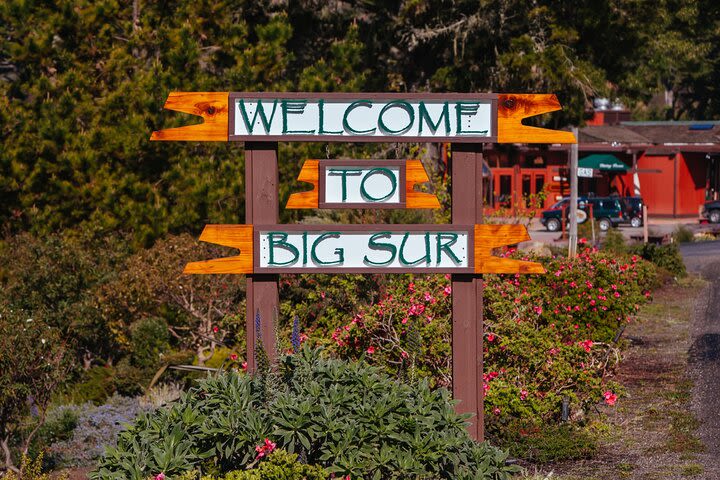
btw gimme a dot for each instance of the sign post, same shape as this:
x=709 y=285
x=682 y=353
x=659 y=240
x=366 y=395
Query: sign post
x=463 y=248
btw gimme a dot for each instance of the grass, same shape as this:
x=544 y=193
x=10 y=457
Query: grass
x=692 y=470
x=555 y=443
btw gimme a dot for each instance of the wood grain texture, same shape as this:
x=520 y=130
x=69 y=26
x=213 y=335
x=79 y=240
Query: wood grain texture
x=513 y=108
x=309 y=174
x=488 y=237
x=235 y=236
x=415 y=173
x=211 y=106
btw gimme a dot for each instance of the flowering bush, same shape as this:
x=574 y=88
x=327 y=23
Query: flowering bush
x=546 y=336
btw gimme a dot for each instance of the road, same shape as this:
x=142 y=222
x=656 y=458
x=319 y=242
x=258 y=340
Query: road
x=704 y=353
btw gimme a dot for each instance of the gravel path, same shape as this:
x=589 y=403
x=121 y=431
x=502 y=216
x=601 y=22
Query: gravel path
x=704 y=352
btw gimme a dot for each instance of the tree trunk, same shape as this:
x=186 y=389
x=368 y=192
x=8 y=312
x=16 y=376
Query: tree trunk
x=8 y=457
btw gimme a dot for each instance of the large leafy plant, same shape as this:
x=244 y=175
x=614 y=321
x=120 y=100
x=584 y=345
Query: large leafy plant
x=345 y=416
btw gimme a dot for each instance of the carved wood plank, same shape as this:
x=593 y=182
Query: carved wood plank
x=415 y=173
x=488 y=237
x=513 y=108
x=211 y=106
x=235 y=236
x=309 y=174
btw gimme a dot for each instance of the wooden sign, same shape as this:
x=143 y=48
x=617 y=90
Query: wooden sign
x=363 y=184
x=364 y=249
x=363 y=117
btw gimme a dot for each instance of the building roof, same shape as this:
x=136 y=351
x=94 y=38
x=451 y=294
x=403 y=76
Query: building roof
x=674 y=134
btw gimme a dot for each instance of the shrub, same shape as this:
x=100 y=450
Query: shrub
x=614 y=242
x=664 y=256
x=31 y=470
x=280 y=465
x=96 y=427
x=149 y=338
x=682 y=234
x=546 y=336
x=347 y=417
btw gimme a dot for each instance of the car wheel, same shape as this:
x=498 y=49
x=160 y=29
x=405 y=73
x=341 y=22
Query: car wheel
x=714 y=216
x=636 y=222
x=553 y=225
x=604 y=224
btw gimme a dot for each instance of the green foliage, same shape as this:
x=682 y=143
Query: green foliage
x=552 y=443
x=280 y=465
x=664 y=256
x=31 y=470
x=149 y=338
x=614 y=242
x=346 y=417
x=682 y=234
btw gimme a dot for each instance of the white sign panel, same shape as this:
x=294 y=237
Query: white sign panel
x=585 y=172
x=364 y=118
x=362 y=250
x=351 y=184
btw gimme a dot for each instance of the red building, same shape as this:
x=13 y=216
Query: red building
x=674 y=166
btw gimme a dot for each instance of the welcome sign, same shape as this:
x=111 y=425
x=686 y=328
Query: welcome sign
x=373 y=118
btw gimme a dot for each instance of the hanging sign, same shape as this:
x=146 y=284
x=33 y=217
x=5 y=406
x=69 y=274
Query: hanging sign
x=363 y=184
x=364 y=249
x=363 y=117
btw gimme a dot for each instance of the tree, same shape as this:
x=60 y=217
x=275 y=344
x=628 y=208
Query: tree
x=34 y=362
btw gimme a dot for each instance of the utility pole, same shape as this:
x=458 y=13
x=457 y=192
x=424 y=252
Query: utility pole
x=572 y=245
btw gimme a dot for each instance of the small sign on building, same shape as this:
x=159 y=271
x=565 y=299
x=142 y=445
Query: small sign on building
x=585 y=172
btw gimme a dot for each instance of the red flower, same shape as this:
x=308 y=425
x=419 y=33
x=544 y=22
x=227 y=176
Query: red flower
x=496 y=411
x=610 y=398
x=447 y=290
x=233 y=356
x=523 y=394
x=244 y=366
x=586 y=345
x=265 y=449
x=371 y=350
x=491 y=337
x=411 y=287
x=215 y=329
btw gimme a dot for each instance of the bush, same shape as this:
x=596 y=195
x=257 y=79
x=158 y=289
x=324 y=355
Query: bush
x=546 y=336
x=347 y=417
x=96 y=428
x=280 y=465
x=664 y=256
x=682 y=234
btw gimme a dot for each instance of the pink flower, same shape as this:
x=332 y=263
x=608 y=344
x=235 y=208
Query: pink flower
x=428 y=297
x=586 y=345
x=243 y=365
x=265 y=449
x=404 y=320
x=404 y=354
x=370 y=350
x=233 y=356
x=322 y=295
x=523 y=394
x=496 y=411
x=491 y=337
x=610 y=398
x=538 y=309
x=411 y=287
x=553 y=351
x=215 y=329
x=160 y=476
x=447 y=290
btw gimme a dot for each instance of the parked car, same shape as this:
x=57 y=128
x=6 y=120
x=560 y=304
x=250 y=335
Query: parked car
x=711 y=211
x=552 y=217
x=632 y=210
x=607 y=211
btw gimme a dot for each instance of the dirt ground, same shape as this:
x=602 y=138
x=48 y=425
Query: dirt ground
x=654 y=429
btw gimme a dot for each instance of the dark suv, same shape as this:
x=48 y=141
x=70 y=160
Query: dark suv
x=711 y=211
x=608 y=212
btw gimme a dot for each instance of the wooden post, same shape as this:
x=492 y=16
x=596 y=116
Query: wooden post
x=261 y=207
x=467 y=291
x=645 y=224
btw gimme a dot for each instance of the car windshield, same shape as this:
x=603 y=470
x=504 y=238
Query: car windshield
x=559 y=204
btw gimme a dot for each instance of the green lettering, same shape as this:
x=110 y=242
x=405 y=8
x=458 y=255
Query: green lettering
x=304 y=238
x=425 y=115
x=338 y=251
x=384 y=171
x=322 y=131
x=350 y=108
x=260 y=110
x=344 y=172
x=281 y=242
x=375 y=245
x=397 y=104
x=467 y=109
x=296 y=107
x=425 y=257
x=445 y=247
